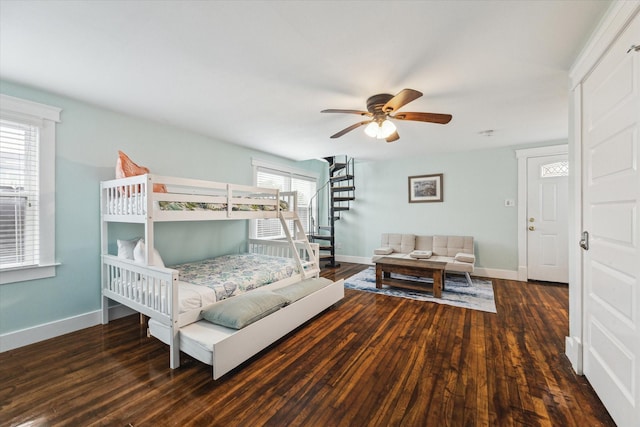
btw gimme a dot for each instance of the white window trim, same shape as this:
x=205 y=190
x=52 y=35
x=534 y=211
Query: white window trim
x=256 y=163
x=45 y=117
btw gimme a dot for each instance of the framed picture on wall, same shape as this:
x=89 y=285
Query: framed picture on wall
x=425 y=188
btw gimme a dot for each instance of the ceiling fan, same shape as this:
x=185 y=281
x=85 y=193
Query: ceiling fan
x=379 y=110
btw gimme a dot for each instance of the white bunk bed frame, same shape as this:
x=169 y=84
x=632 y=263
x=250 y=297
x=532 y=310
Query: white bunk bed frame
x=155 y=293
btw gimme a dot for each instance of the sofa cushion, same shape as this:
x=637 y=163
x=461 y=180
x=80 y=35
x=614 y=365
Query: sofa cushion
x=301 y=289
x=421 y=254
x=424 y=243
x=383 y=251
x=451 y=245
x=242 y=310
x=404 y=243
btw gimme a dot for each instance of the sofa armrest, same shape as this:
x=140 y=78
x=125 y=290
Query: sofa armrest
x=464 y=257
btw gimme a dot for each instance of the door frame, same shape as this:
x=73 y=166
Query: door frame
x=523 y=157
x=610 y=27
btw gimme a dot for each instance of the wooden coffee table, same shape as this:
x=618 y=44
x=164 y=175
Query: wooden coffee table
x=410 y=267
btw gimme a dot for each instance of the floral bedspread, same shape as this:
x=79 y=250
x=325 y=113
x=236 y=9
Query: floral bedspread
x=231 y=275
x=196 y=206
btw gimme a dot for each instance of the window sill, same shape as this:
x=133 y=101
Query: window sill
x=23 y=274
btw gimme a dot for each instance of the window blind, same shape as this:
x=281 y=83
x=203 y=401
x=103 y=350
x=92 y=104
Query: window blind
x=284 y=181
x=19 y=202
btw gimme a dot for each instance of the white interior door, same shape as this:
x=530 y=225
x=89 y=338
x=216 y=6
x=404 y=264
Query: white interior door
x=611 y=215
x=547 y=218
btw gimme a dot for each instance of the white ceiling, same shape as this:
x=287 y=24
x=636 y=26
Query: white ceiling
x=257 y=73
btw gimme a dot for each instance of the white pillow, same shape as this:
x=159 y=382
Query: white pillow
x=462 y=257
x=383 y=251
x=421 y=254
x=138 y=255
x=126 y=247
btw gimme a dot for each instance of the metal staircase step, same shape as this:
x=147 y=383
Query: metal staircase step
x=343 y=188
x=320 y=237
x=343 y=199
x=340 y=208
x=340 y=178
x=337 y=166
x=325 y=227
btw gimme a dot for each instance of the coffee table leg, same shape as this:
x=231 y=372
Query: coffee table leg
x=378 y=276
x=437 y=283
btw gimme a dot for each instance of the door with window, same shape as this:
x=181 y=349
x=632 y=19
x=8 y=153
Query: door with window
x=547 y=218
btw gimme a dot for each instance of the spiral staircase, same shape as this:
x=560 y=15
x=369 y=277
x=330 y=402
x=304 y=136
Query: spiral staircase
x=340 y=192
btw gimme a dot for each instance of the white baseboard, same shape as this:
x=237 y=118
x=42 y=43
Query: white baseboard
x=573 y=351
x=23 y=337
x=496 y=273
x=354 y=259
x=492 y=273
x=522 y=273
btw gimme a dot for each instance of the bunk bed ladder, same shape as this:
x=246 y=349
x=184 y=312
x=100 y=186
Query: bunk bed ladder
x=310 y=267
x=341 y=192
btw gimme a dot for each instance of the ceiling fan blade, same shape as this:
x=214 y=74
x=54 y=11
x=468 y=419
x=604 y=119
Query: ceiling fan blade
x=350 y=128
x=362 y=113
x=393 y=137
x=442 y=119
x=403 y=97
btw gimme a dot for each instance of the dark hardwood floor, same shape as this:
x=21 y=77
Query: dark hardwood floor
x=372 y=360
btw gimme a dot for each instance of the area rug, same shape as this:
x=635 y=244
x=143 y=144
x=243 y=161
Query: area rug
x=456 y=291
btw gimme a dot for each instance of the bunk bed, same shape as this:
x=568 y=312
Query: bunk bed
x=177 y=307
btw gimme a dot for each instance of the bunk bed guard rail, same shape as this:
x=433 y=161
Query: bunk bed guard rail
x=190 y=199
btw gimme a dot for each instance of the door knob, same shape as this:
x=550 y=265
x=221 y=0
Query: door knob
x=584 y=242
x=531 y=228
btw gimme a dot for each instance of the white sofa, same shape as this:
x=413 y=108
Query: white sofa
x=456 y=251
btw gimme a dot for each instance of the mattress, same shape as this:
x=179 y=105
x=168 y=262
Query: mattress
x=210 y=280
x=230 y=275
x=193 y=296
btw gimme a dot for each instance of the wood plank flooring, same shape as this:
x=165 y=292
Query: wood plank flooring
x=372 y=360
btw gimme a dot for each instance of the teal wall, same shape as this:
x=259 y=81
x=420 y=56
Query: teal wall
x=88 y=139
x=476 y=184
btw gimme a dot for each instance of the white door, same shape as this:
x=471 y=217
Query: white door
x=611 y=216
x=547 y=218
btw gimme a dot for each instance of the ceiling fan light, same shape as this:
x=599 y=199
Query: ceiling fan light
x=380 y=130
x=387 y=128
x=372 y=130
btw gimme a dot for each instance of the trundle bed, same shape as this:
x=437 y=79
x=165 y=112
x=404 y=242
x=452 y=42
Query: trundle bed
x=177 y=303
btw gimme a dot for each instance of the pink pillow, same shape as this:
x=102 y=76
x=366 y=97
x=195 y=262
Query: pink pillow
x=125 y=167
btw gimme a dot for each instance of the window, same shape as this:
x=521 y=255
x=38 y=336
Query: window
x=27 y=189
x=552 y=170
x=284 y=179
